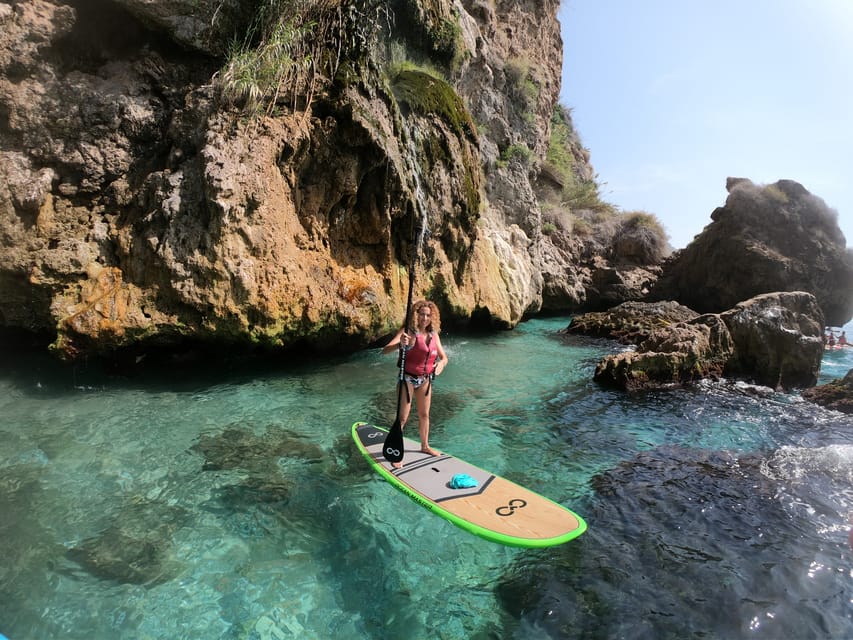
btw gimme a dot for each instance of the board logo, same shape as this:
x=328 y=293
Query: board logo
x=509 y=509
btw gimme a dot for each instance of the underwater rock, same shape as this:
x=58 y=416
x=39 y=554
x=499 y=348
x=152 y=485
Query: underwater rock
x=255 y=506
x=687 y=520
x=255 y=491
x=134 y=548
x=237 y=448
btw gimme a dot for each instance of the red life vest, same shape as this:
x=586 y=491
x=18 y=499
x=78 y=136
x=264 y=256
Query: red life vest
x=420 y=359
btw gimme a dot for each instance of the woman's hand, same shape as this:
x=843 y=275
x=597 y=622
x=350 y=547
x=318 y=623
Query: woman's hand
x=394 y=344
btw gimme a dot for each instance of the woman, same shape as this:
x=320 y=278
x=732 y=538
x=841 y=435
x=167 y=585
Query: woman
x=425 y=358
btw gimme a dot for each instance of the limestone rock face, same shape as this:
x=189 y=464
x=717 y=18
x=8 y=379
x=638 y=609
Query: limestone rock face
x=200 y=25
x=770 y=238
x=138 y=208
x=511 y=85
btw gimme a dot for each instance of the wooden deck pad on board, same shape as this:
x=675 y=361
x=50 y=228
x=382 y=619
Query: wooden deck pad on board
x=496 y=509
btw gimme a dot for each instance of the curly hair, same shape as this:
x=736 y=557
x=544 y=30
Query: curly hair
x=435 y=318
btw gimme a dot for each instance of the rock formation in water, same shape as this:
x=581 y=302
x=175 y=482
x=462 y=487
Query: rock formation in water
x=742 y=275
x=631 y=322
x=776 y=237
x=837 y=395
x=774 y=339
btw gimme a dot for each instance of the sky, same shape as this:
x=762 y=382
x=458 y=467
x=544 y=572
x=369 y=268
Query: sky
x=671 y=97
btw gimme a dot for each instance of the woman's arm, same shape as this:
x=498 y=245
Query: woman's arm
x=392 y=344
x=442 y=362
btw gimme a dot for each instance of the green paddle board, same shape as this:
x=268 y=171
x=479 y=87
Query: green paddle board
x=495 y=509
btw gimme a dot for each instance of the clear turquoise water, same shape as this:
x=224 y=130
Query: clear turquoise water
x=191 y=502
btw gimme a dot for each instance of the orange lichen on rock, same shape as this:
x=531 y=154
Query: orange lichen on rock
x=101 y=305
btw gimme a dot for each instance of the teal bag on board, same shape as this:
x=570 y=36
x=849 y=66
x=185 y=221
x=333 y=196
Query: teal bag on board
x=462 y=481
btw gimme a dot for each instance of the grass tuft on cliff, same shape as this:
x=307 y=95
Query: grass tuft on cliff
x=254 y=77
x=573 y=201
x=293 y=48
x=563 y=159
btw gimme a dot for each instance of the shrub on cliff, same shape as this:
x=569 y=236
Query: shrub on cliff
x=567 y=162
x=640 y=238
x=567 y=189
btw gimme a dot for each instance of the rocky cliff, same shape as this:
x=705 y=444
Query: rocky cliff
x=269 y=174
x=147 y=195
x=766 y=238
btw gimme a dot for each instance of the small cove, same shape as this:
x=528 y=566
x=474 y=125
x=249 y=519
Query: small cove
x=186 y=503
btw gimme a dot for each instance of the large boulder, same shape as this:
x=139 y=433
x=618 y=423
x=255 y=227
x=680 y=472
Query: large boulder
x=778 y=339
x=613 y=284
x=777 y=237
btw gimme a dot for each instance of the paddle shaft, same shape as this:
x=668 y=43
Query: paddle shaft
x=392 y=449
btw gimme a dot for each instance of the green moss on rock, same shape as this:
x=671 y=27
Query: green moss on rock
x=427 y=95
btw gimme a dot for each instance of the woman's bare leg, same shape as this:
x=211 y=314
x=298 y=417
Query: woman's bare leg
x=405 y=404
x=424 y=400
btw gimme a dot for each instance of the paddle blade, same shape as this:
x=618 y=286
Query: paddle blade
x=392 y=448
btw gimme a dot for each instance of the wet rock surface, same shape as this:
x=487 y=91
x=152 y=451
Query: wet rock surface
x=773 y=339
x=836 y=395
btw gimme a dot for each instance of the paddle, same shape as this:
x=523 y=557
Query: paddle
x=392 y=448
